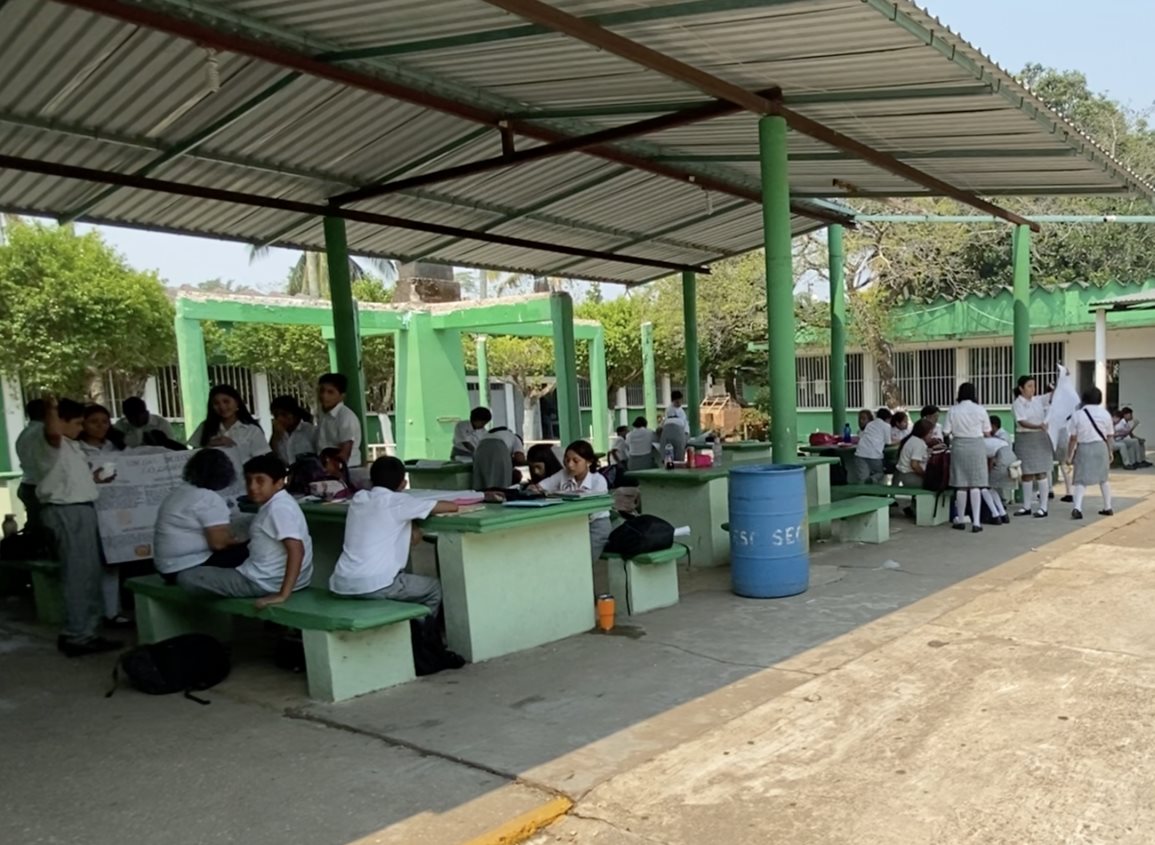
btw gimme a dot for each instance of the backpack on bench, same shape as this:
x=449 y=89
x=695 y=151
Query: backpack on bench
x=185 y=664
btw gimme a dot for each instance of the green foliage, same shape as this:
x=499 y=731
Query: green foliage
x=71 y=309
x=525 y=362
x=621 y=320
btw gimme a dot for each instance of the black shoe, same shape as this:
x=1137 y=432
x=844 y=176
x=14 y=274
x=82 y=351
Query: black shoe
x=959 y=526
x=1145 y=464
x=1051 y=494
x=1131 y=468
x=1041 y=514
x=1107 y=512
x=1067 y=499
x=975 y=529
x=1076 y=514
x=908 y=512
x=81 y=648
x=1023 y=512
x=1005 y=519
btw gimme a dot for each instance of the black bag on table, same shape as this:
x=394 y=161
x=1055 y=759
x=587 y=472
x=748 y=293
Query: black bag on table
x=645 y=533
x=185 y=664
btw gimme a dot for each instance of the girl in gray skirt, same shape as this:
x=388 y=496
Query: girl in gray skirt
x=968 y=423
x=1090 y=449
x=1032 y=445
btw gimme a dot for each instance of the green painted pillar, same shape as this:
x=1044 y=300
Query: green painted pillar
x=649 y=375
x=346 y=335
x=431 y=394
x=194 y=370
x=331 y=343
x=482 y=371
x=837 y=275
x=779 y=286
x=1021 y=256
x=564 y=367
x=599 y=393
x=693 y=367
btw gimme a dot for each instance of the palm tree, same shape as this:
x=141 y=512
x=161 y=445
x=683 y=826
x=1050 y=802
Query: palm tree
x=310 y=275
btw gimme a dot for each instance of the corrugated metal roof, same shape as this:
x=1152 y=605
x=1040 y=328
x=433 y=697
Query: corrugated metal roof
x=1126 y=302
x=91 y=91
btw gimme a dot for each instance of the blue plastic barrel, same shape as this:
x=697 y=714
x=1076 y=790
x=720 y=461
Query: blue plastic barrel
x=769 y=535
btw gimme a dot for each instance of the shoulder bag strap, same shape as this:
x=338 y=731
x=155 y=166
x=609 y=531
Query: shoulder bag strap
x=1094 y=425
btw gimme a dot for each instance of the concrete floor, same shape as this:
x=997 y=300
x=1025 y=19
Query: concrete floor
x=859 y=709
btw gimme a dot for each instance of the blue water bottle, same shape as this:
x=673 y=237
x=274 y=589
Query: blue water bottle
x=846 y=433
x=669 y=455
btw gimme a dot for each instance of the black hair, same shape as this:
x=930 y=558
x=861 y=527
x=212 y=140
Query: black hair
x=996 y=421
x=290 y=405
x=967 y=392
x=114 y=435
x=675 y=396
x=1125 y=410
x=266 y=464
x=212 y=425
x=69 y=409
x=1019 y=385
x=34 y=410
x=883 y=414
x=622 y=429
x=928 y=410
x=585 y=451
x=388 y=472
x=210 y=469
x=96 y=408
x=132 y=406
x=920 y=430
x=338 y=380
x=898 y=419
x=1115 y=412
x=542 y=453
x=481 y=415
x=1091 y=396
x=640 y=422
x=332 y=453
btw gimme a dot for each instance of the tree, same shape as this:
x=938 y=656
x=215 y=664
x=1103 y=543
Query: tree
x=621 y=321
x=72 y=310
x=526 y=363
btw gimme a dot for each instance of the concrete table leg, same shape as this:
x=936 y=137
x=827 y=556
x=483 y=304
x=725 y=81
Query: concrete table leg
x=703 y=507
x=344 y=664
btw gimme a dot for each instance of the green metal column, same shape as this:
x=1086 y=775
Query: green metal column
x=194 y=370
x=693 y=367
x=332 y=345
x=599 y=398
x=1021 y=259
x=345 y=331
x=564 y=360
x=779 y=286
x=837 y=326
x=482 y=371
x=649 y=377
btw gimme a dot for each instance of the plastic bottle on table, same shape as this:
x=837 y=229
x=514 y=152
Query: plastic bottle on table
x=9 y=525
x=669 y=455
x=846 y=433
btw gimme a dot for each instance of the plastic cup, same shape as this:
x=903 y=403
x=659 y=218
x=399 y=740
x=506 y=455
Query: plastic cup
x=605 y=609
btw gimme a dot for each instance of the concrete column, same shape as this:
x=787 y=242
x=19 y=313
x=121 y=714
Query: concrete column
x=1021 y=255
x=1101 y=351
x=12 y=421
x=835 y=258
x=345 y=329
x=667 y=390
x=482 y=371
x=599 y=399
x=194 y=370
x=693 y=366
x=622 y=402
x=649 y=385
x=261 y=400
x=564 y=356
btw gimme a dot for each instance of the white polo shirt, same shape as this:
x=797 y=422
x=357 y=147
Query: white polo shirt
x=249 y=439
x=640 y=441
x=874 y=439
x=378 y=529
x=179 y=540
x=1084 y=430
x=511 y=440
x=28 y=452
x=66 y=478
x=465 y=435
x=563 y=482
x=967 y=420
x=279 y=519
x=1033 y=411
x=676 y=413
x=915 y=449
x=336 y=426
x=134 y=436
x=302 y=440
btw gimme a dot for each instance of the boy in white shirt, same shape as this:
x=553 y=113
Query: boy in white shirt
x=1140 y=443
x=868 y=456
x=676 y=413
x=468 y=433
x=280 y=549
x=28 y=444
x=379 y=530
x=618 y=451
x=67 y=491
x=141 y=428
x=337 y=426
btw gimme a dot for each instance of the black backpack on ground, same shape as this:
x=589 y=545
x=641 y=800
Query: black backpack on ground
x=641 y=534
x=185 y=664
x=430 y=654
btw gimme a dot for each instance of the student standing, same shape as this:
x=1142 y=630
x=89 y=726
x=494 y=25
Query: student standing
x=229 y=424
x=968 y=424
x=28 y=448
x=468 y=433
x=580 y=475
x=98 y=437
x=1032 y=445
x=294 y=434
x=1089 y=449
x=140 y=427
x=67 y=491
x=280 y=559
x=513 y=443
x=379 y=531
x=675 y=429
x=869 y=465
x=337 y=427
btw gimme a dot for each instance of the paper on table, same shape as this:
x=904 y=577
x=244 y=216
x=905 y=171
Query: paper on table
x=684 y=531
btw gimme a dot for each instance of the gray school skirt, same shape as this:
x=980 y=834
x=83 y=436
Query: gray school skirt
x=1092 y=463
x=1034 y=449
x=968 y=463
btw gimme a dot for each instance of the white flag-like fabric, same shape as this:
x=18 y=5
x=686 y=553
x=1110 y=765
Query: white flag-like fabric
x=1064 y=403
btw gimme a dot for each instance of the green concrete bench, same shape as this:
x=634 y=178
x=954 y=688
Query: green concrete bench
x=647 y=581
x=47 y=590
x=862 y=519
x=927 y=511
x=352 y=646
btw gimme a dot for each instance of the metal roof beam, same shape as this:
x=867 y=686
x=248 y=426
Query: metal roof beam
x=752 y=158
x=596 y=36
x=577 y=143
x=146 y=183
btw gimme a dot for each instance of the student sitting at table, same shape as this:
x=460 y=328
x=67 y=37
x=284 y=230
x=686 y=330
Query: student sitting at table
x=140 y=427
x=931 y=412
x=543 y=462
x=513 y=443
x=468 y=433
x=1126 y=448
x=865 y=418
x=580 y=475
x=229 y=424
x=899 y=427
x=98 y=436
x=1129 y=434
x=338 y=427
x=337 y=472
x=280 y=557
x=913 y=454
x=293 y=431
x=641 y=445
x=618 y=453
x=492 y=465
x=379 y=530
x=869 y=465
x=193 y=526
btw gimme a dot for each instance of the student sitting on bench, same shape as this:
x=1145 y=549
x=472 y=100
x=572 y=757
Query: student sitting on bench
x=379 y=530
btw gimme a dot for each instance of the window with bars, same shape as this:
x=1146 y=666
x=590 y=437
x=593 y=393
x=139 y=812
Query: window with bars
x=282 y=384
x=812 y=373
x=168 y=396
x=239 y=377
x=992 y=369
x=585 y=395
x=925 y=376
x=635 y=395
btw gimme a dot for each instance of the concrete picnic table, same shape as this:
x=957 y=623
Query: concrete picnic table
x=448 y=475
x=512 y=578
x=700 y=498
x=845 y=453
x=734 y=451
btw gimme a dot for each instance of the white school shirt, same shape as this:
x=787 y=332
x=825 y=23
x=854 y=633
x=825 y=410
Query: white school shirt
x=967 y=420
x=28 y=452
x=563 y=482
x=302 y=440
x=336 y=426
x=94 y=454
x=279 y=519
x=1085 y=432
x=618 y=449
x=179 y=541
x=134 y=436
x=66 y=478
x=1032 y=411
x=511 y=440
x=464 y=434
x=937 y=433
x=640 y=441
x=915 y=449
x=249 y=438
x=675 y=413
x=1002 y=435
x=873 y=440
x=994 y=445
x=378 y=529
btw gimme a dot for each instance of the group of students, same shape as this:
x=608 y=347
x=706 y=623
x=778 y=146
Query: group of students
x=985 y=466
x=640 y=447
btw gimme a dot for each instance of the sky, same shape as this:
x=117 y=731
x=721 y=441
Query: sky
x=1107 y=41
